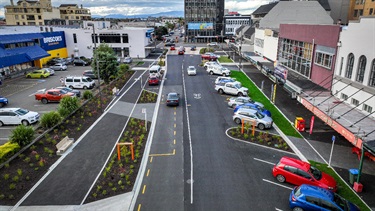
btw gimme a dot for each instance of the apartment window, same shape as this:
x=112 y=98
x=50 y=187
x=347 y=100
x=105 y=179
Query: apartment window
x=355 y=13
x=75 y=38
x=371 y=11
x=324 y=60
x=360 y=12
x=371 y=81
x=355 y=102
x=367 y=108
x=39 y=17
x=344 y=96
x=349 y=66
x=16 y=17
x=125 y=38
x=361 y=69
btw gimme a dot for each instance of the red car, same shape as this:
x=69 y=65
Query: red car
x=299 y=172
x=52 y=95
x=173 y=48
x=181 y=52
x=209 y=56
x=153 y=80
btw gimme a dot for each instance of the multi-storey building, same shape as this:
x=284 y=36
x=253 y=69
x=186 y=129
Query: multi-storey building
x=359 y=8
x=233 y=22
x=203 y=20
x=41 y=12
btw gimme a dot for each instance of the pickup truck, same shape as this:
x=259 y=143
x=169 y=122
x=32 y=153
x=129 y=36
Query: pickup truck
x=232 y=88
x=52 y=95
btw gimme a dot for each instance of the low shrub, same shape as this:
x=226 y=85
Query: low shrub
x=87 y=95
x=68 y=105
x=50 y=119
x=22 y=135
x=7 y=150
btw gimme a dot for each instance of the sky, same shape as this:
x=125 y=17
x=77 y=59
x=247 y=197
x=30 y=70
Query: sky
x=138 y=7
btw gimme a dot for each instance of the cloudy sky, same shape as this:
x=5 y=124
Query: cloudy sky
x=136 y=7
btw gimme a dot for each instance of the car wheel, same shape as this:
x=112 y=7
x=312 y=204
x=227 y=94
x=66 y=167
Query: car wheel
x=297 y=209
x=240 y=94
x=280 y=178
x=25 y=122
x=221 y=91
x=237 y=121
x=28 y=76
x=261 y=126
x=227 y=75
x=1 y=123
x=71 y=87
x=211 y=73
x=2 y=105
x=85 y=87
x=205 y=68
x=44 y=101
x=234 y=106
x=42 y=76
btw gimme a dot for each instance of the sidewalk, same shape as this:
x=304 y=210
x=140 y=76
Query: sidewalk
x=317 y=146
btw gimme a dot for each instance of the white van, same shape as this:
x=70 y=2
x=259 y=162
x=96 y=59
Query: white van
x=79 y=82
x=155 y=70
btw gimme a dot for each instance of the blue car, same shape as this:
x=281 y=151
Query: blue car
x=308 y=197
x=254 y=107
x=3 y=101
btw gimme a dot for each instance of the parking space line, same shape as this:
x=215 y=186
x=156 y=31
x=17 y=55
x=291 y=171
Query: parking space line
x=278 y=184
x=264 y=161
x=165 y=154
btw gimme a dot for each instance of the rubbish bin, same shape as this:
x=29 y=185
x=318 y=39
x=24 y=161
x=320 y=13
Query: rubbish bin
x=353 y=175
x=300 y=124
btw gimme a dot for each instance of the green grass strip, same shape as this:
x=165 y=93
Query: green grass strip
x=258 y=96
x=224 y=59
x=140 y=63
x=343 y=190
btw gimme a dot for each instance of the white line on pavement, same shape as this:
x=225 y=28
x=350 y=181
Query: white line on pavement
x=278 y=209
x=264 y=161
x=278 y=184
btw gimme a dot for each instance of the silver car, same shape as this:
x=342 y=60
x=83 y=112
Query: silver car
x=248 y=115
x=51 y=71
x=191 y=70
x=235 y=101
x=59 y=66
x=127 y=60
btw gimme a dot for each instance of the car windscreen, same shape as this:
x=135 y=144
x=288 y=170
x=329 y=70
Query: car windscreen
x=315 y=172
x=237 y=86
x=341 y=202
x=259 y=115
x=21 y=111
x=62 y=91
x=172 y=96
x=87 y=79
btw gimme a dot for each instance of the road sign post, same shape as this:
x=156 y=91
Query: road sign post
x=330 y=156
x=144 y=111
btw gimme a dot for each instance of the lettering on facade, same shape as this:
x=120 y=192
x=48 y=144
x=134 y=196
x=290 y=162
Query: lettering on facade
x=52 y=40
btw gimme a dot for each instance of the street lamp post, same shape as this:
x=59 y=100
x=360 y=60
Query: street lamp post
x=97 y=64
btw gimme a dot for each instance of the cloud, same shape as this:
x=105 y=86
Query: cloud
x=245 y=6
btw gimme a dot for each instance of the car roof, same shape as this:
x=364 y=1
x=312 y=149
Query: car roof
x=252 y=111
x=317 y=192
x=295 y=163
x=191 y=67
x=53 y=90
x=9 y=109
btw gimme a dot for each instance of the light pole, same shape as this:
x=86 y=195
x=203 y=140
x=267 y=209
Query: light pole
x=97 y=64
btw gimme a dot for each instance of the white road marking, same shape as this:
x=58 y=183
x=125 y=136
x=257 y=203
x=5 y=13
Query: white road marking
x=264 y=161
x=278 y=184
x=278 y=209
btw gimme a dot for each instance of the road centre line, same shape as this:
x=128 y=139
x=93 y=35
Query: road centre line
x=278 y=184
x=264 y=161
x=144 y=189
x=174 y=141
x=151 y=159
x=174 y=133
x=139 y=207
x=148 y=172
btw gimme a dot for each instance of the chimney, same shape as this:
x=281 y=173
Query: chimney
x=11 y=2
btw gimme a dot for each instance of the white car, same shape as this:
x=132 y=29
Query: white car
x=212 y=44
x=191 y=70
x=222 y=79
x=249 y=115
x=51 y=71
x=236 y=101
x=210 y=63
x=17 y=116
x=218 y=70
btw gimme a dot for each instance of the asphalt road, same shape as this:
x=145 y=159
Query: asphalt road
x=218 y=173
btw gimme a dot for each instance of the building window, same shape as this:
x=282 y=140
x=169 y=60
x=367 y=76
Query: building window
x=367 y=108
x=360 y=12
x=371 y=11
x=75 y=38
x=323 y=59
x=16 y=17
x=125 y=38
x=344 y=96
x=371 y=81
x=355 y=13
x=361 y=69
x=349 y=66
x=355 y=102
x=341 y=64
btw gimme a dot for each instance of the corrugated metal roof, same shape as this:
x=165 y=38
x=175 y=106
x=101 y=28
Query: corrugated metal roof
x=17 y=38
x=264 y=9
x=20 y=55
x=295 y=12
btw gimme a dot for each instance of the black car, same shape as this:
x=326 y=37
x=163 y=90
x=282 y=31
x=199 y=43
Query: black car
x=90 y=74
x=169 y=44
x=193 y=48
x=80 y=62
x=173 y=99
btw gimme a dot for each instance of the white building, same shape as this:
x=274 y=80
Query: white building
x=355 y=66
x=232 y=23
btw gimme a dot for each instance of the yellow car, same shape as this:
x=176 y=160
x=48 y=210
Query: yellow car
x=38 y=74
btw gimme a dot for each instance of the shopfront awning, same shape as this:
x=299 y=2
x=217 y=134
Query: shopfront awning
x=17 y=38
x=21 y=55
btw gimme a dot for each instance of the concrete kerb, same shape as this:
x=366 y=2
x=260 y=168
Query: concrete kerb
x=140 y=176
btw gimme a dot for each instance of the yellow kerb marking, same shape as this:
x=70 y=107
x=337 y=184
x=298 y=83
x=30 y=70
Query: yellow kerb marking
x=175 y=125
x=151 y=159
x=174 y=141
x=139 y=207
x=175 y=113
x=144 y=189
x=148 y=172
x=174 y=132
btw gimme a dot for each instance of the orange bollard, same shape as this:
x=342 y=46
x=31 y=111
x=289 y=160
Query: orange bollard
x=253 y=132
x=118 y=152
x=243 y=122
x=132 y=149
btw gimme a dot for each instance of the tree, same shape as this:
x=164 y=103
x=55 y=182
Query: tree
x=169 y=25
x=160 y=31
x=107 y=61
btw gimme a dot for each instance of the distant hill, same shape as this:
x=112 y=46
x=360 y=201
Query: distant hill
x=121 y=16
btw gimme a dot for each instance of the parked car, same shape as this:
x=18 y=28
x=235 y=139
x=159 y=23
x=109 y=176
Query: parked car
x=69 y=61
x=17 y=116
x=207 y=64
x=80 y=62
x=253 y=106
x=261 y=121
x=309 y=197
x=153 y=79
x=236 y=101
x=169 y=44
x=173 y=48
x=218 y=70
x=56 y=60
x=38 y=74
x=67 y=89
x=59 y=66
x=3 y=101
x=212 y=44
x=79 y=82
x=191 y=70
x=128 y=60
x=223 y=79
x=193 y=48
x=51 y=71
x=90 y=74
x=173 y=99
x=232 y=88
x=181 y=51
x=299 y=172
x=210 y=56
x=52 y=95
